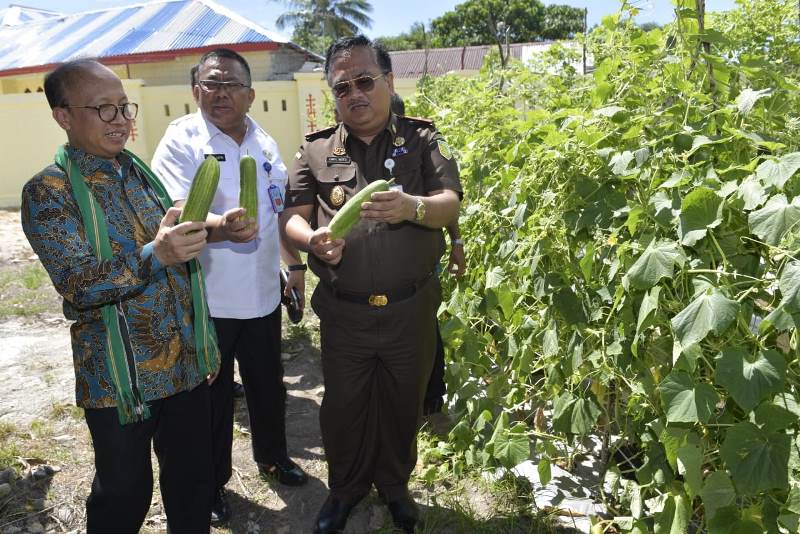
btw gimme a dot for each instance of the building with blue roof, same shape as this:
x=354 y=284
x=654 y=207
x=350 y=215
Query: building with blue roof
x=151 y=46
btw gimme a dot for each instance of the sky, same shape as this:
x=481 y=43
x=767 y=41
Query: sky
x=390 y=17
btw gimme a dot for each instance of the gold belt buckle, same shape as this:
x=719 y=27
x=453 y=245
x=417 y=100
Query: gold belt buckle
x=378 y=300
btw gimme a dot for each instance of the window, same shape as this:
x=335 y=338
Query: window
x=186 y=108
x=283 y=104
x=266 y=106
x=166 y=110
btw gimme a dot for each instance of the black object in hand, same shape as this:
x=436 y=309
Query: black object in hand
x=292 y=303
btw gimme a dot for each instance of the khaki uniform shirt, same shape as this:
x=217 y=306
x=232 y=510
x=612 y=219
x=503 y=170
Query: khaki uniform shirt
x=332 y=166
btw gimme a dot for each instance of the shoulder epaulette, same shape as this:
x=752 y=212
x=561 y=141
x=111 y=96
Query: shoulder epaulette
x=321 y=133
x=427 y=122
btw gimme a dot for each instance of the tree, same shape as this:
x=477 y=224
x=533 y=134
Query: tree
x=647 y=26
x=317 y=23
x=414 y=39
x=562 y=22
x=477 y=22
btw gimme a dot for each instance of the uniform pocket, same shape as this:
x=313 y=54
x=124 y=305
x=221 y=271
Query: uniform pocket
x=336 y=186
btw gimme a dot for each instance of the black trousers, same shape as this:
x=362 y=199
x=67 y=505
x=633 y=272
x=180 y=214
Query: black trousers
x=376 y=362
x=256 y=344
x=436 y=386
x=179 y=428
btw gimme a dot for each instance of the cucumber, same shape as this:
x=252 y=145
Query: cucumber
x=350 y=213
x=202 y=191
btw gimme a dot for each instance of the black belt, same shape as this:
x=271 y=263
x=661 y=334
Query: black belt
x=378 y=299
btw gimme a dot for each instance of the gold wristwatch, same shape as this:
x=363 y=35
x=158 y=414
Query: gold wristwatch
x=420 y=210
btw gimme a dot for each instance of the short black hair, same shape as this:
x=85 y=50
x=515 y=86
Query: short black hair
x=63 y=78
x=397 y=104
x=193 y=73
x=226 y=53
x=348 y=43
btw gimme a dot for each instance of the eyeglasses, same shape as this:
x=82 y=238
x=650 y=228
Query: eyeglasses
x=108 y=112
x=363 y=83
x=212 y=86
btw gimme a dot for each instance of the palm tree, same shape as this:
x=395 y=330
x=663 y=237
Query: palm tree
x=323 y=21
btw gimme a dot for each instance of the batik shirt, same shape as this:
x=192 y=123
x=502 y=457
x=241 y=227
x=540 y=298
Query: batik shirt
x=156 y=300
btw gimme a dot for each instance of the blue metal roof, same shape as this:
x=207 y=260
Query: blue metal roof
x=157 y=26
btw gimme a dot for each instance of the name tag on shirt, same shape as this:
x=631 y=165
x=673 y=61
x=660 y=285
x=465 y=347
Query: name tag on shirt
x=218 y=157
x=275 y=198
x=338 y=160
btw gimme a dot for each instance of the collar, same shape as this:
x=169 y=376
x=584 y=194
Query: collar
x=343 y=132
x=209 y=130
x=89 y=164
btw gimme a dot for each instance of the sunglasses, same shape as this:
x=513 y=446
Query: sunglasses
x=364 y=84
x=212 y=86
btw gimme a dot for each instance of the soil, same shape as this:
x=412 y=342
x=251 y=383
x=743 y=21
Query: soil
x=47 y=439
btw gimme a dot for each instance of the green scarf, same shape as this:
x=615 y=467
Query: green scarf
x=119 y=354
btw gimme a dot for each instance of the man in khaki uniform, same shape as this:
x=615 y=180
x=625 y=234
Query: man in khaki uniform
x=378 y=291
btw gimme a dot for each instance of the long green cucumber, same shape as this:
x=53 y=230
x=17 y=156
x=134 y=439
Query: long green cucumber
x=248 y=193
x=350 y=213
x=202 y=191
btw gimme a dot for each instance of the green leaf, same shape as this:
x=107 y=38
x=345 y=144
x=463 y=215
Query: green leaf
x=774 y=417
x=710 y=311
x=569 y=306
x=672 y=438
x=585 y=412
x=728 y=521
x=608 y=111
x=674 y=517
x=686 y=401
x=752 y=192
x=550 y=340
x=690 y=465
x=700 y=140
x=750 y=379
x=793 y=500
x=545 y=474
x=772 y=221
x=717 y=492
x=778 y=318
x=495 y=277
x=700 y=210
x=562 y=412
x=777 y=172
x=790 y=513
x=790 y=287
x=620 y=162
x=758 y=461
x=587 y=262
x=519 y=215
x=648 y=307
x=511 y=448
x=748 y=98
x=656 y=262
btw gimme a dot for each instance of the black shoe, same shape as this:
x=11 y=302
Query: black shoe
x=238 y=390
x=284 y=471
x=332 y=517
x=405 y=513
x=220 y=510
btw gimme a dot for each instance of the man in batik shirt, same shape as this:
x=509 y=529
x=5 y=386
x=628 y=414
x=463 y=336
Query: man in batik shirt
x=142 y=342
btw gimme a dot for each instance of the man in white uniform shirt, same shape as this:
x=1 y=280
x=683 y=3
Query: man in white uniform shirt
x=242 y=277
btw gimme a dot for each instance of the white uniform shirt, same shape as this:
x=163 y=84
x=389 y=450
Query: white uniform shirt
x=242 y=279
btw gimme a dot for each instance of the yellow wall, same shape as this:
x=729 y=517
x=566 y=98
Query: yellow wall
x=30 y=136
